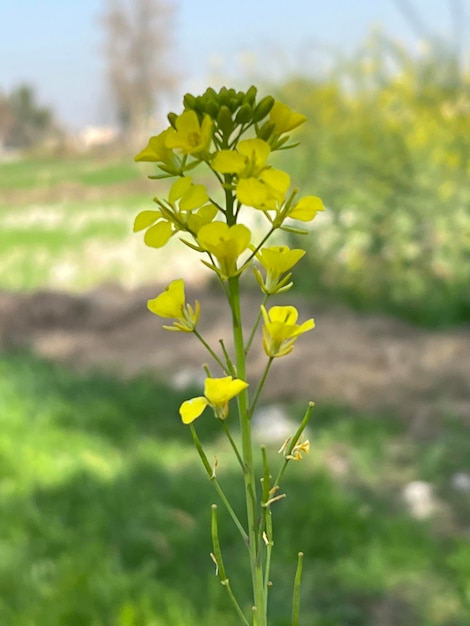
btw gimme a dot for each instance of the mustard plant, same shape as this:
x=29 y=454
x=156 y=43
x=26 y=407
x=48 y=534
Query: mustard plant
x=232 y=135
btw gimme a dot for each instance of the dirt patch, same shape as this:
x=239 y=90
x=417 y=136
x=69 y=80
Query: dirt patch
x=368 y=362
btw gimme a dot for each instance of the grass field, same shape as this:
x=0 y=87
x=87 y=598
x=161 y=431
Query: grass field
x=104 y=513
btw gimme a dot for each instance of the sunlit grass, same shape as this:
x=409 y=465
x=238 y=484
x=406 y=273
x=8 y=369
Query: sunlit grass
x=105 y=512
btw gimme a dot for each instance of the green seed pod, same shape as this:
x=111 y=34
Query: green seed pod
x=172 y=118
x=189 y=101
x=245 y=114
x=250 y=96
x=265 y=131
x=224 y=120
x=263 y=108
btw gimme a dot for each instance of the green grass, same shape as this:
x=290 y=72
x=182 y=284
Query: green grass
x=104 y=512
x=45 y=172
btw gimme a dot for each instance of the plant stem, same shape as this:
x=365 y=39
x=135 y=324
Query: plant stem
x=218 y=488
x=254 y=546
x=260 y=386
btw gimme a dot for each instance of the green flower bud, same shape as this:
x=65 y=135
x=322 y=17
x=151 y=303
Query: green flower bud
x=265 y=131
x=224 y=119
x=211 y=93
x=189 y=101
x=250 y=96
x=172 y=118
x=212 y=107
x=223 y=96
x=263 y=108
x=245 y=114
x=233 y=104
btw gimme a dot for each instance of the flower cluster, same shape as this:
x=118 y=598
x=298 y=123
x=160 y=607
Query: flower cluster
x=233 y=135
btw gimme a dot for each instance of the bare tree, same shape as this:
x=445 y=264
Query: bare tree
x=137 y=44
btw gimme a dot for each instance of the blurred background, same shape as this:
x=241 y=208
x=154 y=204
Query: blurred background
x=104 y=510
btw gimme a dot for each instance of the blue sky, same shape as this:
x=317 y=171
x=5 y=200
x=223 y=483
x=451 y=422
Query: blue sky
x=55 y=44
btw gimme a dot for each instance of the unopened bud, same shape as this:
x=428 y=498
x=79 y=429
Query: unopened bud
x=265 y=131
x=245 y=114
x=263 y=108
x=224 y=120
x=172 y=117
x=189 y=101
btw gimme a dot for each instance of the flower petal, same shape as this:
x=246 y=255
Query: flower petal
x=170 y=303
x=145 y=219
x=228 y=162
x=252 y=192
x=306 y=208
x=192 y=409
x=157 y=236
x=179 y=188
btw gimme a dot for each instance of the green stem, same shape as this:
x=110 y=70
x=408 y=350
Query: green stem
x=260 y=386
x=217 y=556
x=293 y=442
x=255 y=326
x=218 y=488
x=232 y=443
x=210 y=350
x=254 y=546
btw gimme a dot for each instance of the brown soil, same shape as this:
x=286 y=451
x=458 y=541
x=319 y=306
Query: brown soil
x=367 y=362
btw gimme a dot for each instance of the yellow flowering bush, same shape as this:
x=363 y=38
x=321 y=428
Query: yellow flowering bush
x=233 y=135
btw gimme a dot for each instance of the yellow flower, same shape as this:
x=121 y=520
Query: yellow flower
x=284 y=119
x=217 y=394
x=225 y=243
x=156 y=150
x=301 y=447
x=247 y=162
x=306 y=208
x=190 y=136
x=172 y=304
x=280 y=330
x=277 y=260
x=178 y=214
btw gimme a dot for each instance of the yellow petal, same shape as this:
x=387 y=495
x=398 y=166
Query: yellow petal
x=145 y=219
x=278 y=181
x=306 y=208
x=256 y=150
x=188 y=122
x=179 y=188
x=157 y=236
x=283 y=314
x=220 y=390
x=228 y=162
x=284 y=119
x=156 y=150
x=192 y=409
x=252 y=192
x=194 y=198
x=170 y=303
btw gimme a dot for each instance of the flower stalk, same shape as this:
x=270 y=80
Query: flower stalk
x=233 y=135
